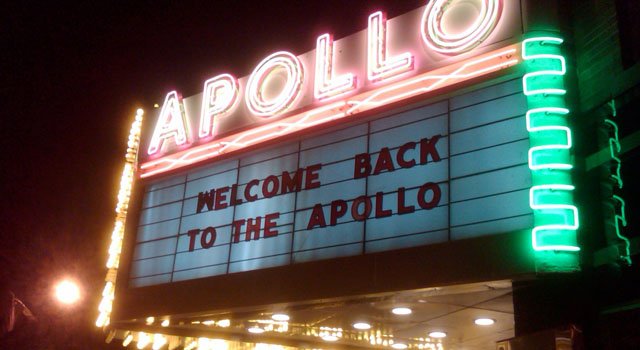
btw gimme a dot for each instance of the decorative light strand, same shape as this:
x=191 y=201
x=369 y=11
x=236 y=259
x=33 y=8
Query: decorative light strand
x=551 y=197
x=438 y=39
x=117 y=236
x=172 y=123
x=552 y=141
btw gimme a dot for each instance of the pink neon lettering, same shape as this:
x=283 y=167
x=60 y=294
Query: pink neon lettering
x=423 y=83
x=379 y=66
x=256 y=97
x=325 y=85
x=171 y=124
x=219 y=96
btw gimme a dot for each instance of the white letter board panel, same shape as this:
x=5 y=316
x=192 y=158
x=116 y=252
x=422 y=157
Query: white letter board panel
x=450 y=170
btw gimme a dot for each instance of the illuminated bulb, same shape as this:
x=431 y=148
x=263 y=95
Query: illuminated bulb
x=329 y=337
x=401 y=311
x=208 y=322
x=361 y=325
x=399 y=346
x=255 y=330
x=108 y=290
x=191 y=345
x=158 y=341
x=484 y=321
x=143 y=340
x=150 y=320
x=67 y=292
x=280 y=317
x=437 y=334
x=165 y=323
x=127 y=340
x=224 y=323
x=103 y=320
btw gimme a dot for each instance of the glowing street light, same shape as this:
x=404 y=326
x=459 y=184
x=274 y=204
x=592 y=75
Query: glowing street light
x=67 y=292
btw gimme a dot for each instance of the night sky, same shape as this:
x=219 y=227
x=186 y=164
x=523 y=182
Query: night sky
x=72 y=77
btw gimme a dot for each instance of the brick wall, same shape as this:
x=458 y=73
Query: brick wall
x=597 y=45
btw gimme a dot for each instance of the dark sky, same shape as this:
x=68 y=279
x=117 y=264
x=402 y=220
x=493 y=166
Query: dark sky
x=72 y=76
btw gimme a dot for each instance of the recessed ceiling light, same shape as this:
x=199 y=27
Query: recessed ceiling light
x=437 y=334
x=280 y=317
x=361 y=325
x=401 y=311
x=329 y=338
x=399 y=346
x=484 y=321
x=165 y=323
x=255 y=330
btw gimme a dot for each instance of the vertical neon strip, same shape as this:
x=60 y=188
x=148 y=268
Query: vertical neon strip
x=379 y=67
x=115 y=248
x=171 y=124
x=614 y=150
x=325 y=85
x=621 y=220
x=219 y=96
x=551 y=196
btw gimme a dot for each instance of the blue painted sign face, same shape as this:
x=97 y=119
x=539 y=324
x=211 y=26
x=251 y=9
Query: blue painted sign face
x=448 y=170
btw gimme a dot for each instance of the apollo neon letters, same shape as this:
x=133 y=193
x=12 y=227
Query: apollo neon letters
x=330 y=84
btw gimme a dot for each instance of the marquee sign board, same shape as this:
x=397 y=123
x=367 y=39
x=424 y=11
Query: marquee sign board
x=450 y=170
x=453 y=169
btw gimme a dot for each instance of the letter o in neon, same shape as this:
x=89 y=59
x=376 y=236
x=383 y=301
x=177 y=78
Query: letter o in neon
x=263 y=106
x=436 y=37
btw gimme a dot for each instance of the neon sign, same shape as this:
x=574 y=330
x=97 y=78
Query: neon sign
x=439 y=39
x=171 y=124
x=551 y=196
x=219 y=97
x=619 y=215
x=326 y=86
x=429 y=81
x=287 y=93
x=257 y=101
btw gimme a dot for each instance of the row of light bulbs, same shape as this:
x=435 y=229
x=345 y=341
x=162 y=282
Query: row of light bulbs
x=329 y=334
x=117 y=236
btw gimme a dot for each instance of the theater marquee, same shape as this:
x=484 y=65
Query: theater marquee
x=368 y=174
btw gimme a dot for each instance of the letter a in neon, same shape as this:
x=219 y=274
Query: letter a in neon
x=171 y=124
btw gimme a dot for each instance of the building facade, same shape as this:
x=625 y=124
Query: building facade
x=457 y=177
